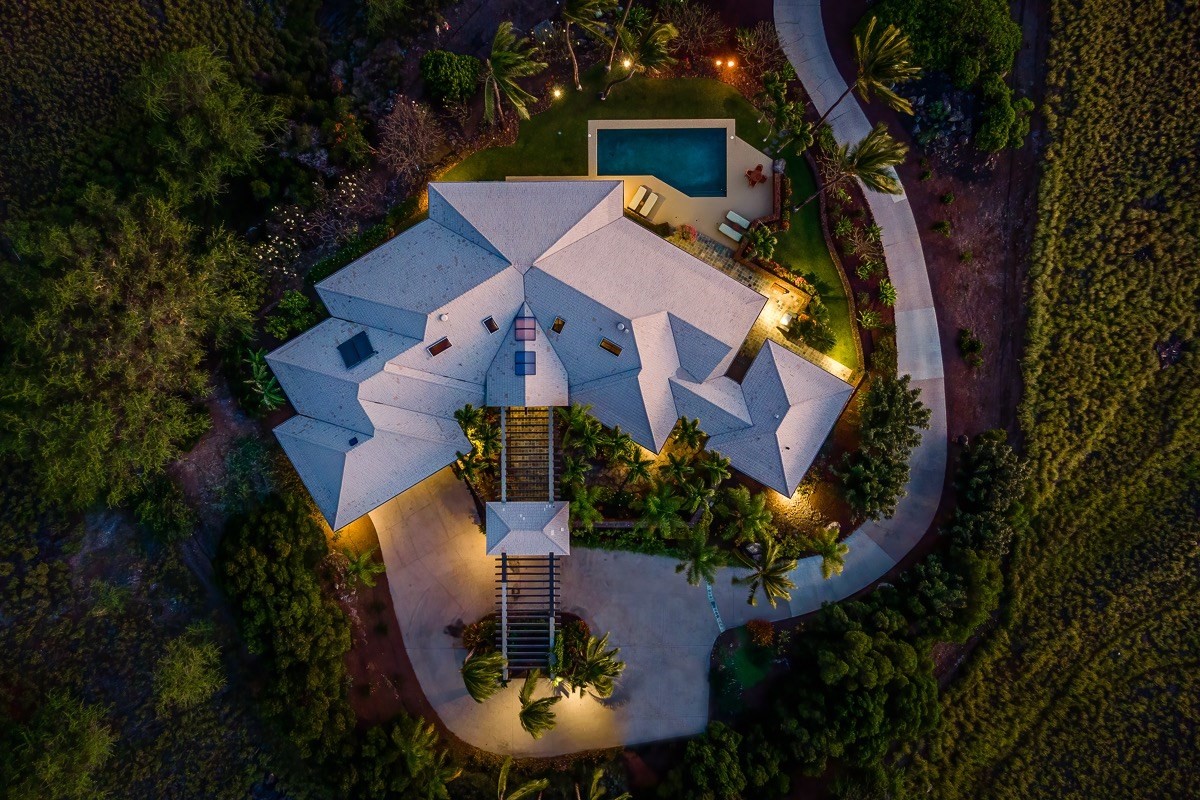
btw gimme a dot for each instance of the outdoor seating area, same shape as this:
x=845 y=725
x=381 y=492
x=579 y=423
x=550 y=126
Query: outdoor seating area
x=645 y=203
x=755 y=176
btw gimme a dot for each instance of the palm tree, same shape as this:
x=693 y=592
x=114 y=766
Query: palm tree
x=417 y=741
x=618 y=443
x=575 y=470
x=747 y=518
x=481 y=674
x=596 y=790
x=597 y=669
x=771 y=100
x=884 y=60
x=612 y=53
x=585 y=14
x=701 y=558
x=799 y=130
x=468 y=418
x=585 y=511
x=511 y=59
x=769 y=572
x=677 y=469
x=536 y=716
x=524 y=790
x=647 y=52
x=832 y=552
x=660 y=512
x=715 y=468
x=636 y=468
x=582 y=430
x=688 y=433
x=870 y=161
x=361 y=569
x=487 y=438
x=696 y=494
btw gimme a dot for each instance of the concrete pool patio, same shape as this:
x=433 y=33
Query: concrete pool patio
x=705 y=214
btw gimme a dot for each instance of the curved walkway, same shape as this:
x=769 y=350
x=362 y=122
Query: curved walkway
x=438 y=572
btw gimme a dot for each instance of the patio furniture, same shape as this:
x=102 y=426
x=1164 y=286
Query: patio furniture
x=638 y=197
x=730 y=232
x=650 y=204
x=755 y=176
x=739 y=220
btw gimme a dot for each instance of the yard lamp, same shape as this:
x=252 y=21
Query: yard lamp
x=719 y=62
x=627 y=63
x=557 y=92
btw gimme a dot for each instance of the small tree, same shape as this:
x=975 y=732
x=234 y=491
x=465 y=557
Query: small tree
x=481 y=674
x=190 y=672
x=361 y=568
x=59 y=751
x=409 y=137
x=701 y=558
x=450 y=77
x=769 y=572
x=597 y=668
x=824 y=542
x=527 y=789
x=510 y=60
x=536 y=716
x=762 y=242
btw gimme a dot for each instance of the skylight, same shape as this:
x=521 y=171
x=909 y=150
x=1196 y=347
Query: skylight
x=526 y=329
x=611 y=347
x=440 y=346
x=526 y=362
x=491 y=325
x=356 y=350
x=559 y=322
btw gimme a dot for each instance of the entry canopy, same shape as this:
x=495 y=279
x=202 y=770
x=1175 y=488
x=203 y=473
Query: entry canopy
x=528 y=529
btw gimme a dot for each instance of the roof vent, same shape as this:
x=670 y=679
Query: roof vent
x=443 y=316
x=620 y=326
x=353 y=441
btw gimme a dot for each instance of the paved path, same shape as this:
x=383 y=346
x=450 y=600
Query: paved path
x=439 y=573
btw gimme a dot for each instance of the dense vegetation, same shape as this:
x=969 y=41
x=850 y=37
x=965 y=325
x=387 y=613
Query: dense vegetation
x=1090 y=687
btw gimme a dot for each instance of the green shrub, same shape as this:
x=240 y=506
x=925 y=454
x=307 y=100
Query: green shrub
x=450 y=77
x=164 y=511
x=56 y=756
x=190 y=672
x=294 y=314
x=943 y=227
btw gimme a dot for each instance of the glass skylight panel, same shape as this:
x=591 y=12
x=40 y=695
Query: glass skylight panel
x=526 y=362
x=526 y=329
x=440 y=346
x=491 y=325
x=559 y=322
x=356 y=350
x=611 y=346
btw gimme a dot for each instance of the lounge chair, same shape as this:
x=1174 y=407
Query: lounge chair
x=649 y=205
x=730 y=232
x=738 y=219
x=638 y=197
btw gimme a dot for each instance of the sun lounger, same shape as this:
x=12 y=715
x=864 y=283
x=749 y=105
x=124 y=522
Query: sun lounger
x=638 y=197
x=730 y=232
x=648 y=207
x=738 y=219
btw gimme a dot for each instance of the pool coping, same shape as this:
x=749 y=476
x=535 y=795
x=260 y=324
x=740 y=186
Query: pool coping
x=596 y=125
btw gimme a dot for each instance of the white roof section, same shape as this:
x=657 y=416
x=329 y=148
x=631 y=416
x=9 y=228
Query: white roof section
x=669 y=324
x=793 y=405
x=528 y=529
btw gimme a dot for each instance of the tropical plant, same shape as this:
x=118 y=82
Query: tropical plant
x=824 y=542
x=618 y=444
x=762 y=241
x=883 y=57
x=870 y=161
x=361 y=568
x=585 y=15
x=798 y=131
x=523 y=791
x=596 y=789
x=870 y=319
x=697 y=493
x=585 y=506
x=575 y=470
x=404 y=759
x=715 y=468
x=582 y=431
x=510 y=60
x=487 y=439
x=768 y=572
x=265 y=389
x=701 y=559
x=677 y=469
x=645 y=52
x=536 y=716
x=481 y=674
x=688 y=433
x=190 y=672
x=887 y=293
x=469 y=418
x=616 y=39
x=660 y=512
x=637 y=468
x=596 y=669
x=745 y=516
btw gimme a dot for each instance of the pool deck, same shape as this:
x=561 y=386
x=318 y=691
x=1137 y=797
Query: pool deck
x=677 y=208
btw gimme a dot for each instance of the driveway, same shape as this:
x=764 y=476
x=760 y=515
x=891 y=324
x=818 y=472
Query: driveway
x=438 y=572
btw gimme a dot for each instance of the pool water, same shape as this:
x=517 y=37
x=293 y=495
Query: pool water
x=690 y=159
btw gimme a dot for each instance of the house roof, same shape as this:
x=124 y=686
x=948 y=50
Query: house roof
x=623 y=321
x=528 y=529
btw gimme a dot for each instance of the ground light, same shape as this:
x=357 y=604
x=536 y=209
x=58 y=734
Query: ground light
x=557 y=92
x=627 y=63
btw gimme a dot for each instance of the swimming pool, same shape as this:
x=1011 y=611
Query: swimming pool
x=690 y=159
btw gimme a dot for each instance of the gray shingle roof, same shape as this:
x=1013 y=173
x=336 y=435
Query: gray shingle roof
x=528 y=529
x=552 y=249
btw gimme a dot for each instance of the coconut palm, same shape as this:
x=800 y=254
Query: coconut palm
x=832 y=552
x=616 y=40
x=487 y=438
x=585 y=15
x=701 y=559
x=536 y=716
x=799 y=130
x=510 y=60
x=597 y=668
x=870 y=161
x=596 y=790
x=696 y=494
x=637 y=469
x=427 y=763
x=361 y=569
x=574 y=471
x=688 y=433
x=618 y=443
x=524 y=790
x=660 y=512
x=468 y=418
x=884 y=59
x=585 y=510
x=771 y=99
x=677 y=469
x=468 y=467
x=581 y=429
x=769 y=573
x=746 y=516
x=645 y=52
x=481 y=674
x=715 y=468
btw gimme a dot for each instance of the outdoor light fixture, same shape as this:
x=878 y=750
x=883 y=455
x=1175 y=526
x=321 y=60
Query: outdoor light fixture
x=557 y=92
x=719 y=62
x=731 y=63
x=627 y=63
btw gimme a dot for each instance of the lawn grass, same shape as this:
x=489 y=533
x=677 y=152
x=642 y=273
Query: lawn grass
x=554 y=142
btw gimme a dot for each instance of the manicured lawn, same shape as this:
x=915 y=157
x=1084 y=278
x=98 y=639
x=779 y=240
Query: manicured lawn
x=554 y=142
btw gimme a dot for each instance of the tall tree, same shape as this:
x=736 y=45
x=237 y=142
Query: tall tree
x=883 y=56
x=824 y=542
x=585 y=506
x=769 y=572
x=715 y=468
x=746 y=516
x=510 y=60
x=871 y=161
x=645 y=52
x=677 y=469
x=597 y=669
x=527 y=789
x=585 y=15
x=637 y=468
x=660 y=512
x=701 y=558
x=688 y=433
x=616 y=40
x=536 y=716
